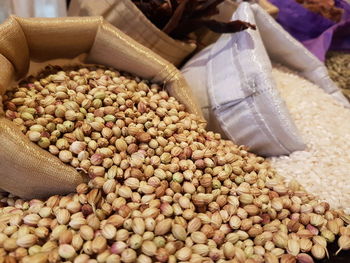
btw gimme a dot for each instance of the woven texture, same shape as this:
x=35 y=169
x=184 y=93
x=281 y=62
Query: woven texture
x=26 y=170
x=128 y=18
x=239 y=98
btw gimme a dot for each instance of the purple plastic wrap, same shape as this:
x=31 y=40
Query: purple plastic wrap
x=317 y=33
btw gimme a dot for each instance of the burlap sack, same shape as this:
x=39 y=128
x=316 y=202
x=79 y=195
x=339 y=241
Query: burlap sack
x=128 y=18
x=25 y=169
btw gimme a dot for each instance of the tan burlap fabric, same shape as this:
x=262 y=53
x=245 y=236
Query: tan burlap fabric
x=128 y=18
x=25 y=169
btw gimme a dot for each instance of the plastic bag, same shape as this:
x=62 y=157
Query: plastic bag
x=317 y=33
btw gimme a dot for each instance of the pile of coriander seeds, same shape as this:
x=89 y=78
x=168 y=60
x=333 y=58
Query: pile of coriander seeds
x=161 y=189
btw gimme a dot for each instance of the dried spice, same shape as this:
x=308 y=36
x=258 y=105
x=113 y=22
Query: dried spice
x=338 y=64
x=162 y=188
x=326 y=8
x=178 y=18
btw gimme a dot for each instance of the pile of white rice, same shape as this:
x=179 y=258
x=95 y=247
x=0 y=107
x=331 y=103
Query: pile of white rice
x=324 y=167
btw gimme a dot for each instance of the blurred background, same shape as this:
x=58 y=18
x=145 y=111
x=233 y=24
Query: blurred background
x=33 y=8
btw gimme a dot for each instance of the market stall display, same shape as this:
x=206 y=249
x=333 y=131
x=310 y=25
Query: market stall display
x=106 y=155
x=219 y=71
x=161 y=187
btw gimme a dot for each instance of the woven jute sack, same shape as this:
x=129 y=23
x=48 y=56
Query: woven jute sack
x=128 y=18
x=26 y=170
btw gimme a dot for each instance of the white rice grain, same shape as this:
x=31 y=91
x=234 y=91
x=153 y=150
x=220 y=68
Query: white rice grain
x=324 y=167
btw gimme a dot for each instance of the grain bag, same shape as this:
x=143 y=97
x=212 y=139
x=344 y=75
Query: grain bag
x=238 y=95
x=124 y=15
x=27 y=170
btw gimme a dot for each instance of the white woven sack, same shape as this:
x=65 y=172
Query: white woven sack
x=285 y=49
x=238 y=95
